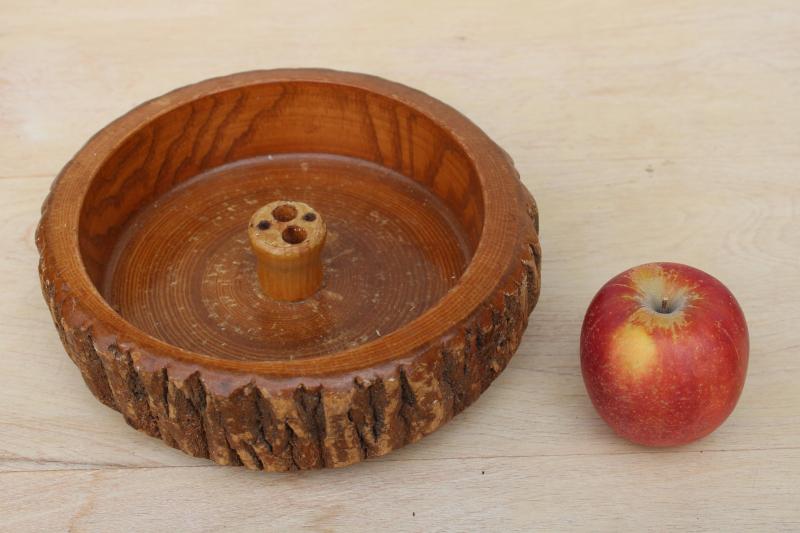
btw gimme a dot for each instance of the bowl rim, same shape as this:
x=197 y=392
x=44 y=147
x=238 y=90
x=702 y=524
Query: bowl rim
x=488 y=273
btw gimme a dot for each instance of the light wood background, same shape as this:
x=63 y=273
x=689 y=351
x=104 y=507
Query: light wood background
x=662 y=130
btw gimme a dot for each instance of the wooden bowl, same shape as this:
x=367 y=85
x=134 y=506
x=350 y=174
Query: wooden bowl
x=429 y=270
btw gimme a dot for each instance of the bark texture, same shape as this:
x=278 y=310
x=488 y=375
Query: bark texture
x=312 y=422
x=305 y=424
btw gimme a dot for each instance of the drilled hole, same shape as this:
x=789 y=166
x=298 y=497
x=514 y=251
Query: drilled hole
x=284 y=212
x=264 y=224
x=310 y=217
x=294 y=235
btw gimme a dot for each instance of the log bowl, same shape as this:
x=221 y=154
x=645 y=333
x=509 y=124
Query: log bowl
x=421 y=291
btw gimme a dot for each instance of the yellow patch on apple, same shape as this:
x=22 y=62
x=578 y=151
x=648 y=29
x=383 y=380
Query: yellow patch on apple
x=663 y=298
x=633 y=350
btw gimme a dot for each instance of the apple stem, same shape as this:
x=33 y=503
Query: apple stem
x=664 y=304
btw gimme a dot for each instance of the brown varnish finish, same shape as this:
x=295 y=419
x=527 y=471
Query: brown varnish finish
x=430 y=267
x=287 y=239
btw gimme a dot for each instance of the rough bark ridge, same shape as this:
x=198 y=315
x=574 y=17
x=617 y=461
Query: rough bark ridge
x=294 y=427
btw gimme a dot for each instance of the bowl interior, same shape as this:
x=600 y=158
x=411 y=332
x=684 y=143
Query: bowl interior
x=163 y=226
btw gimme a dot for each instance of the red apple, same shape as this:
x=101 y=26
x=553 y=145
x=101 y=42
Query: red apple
x=664 y=351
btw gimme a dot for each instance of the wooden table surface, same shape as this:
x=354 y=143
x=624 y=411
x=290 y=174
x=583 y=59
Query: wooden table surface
x=663 y=130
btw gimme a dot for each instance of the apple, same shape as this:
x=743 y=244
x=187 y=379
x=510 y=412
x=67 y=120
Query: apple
x=664 y=351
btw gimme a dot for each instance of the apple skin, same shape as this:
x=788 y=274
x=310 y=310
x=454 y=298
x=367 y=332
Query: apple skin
x=664 y=378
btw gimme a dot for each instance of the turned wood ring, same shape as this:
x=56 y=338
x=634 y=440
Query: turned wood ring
x=381 y=315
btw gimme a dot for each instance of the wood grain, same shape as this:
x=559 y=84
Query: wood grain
x=649 y=131
x=287 y=238
x=202 y=275
x=153 y=212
